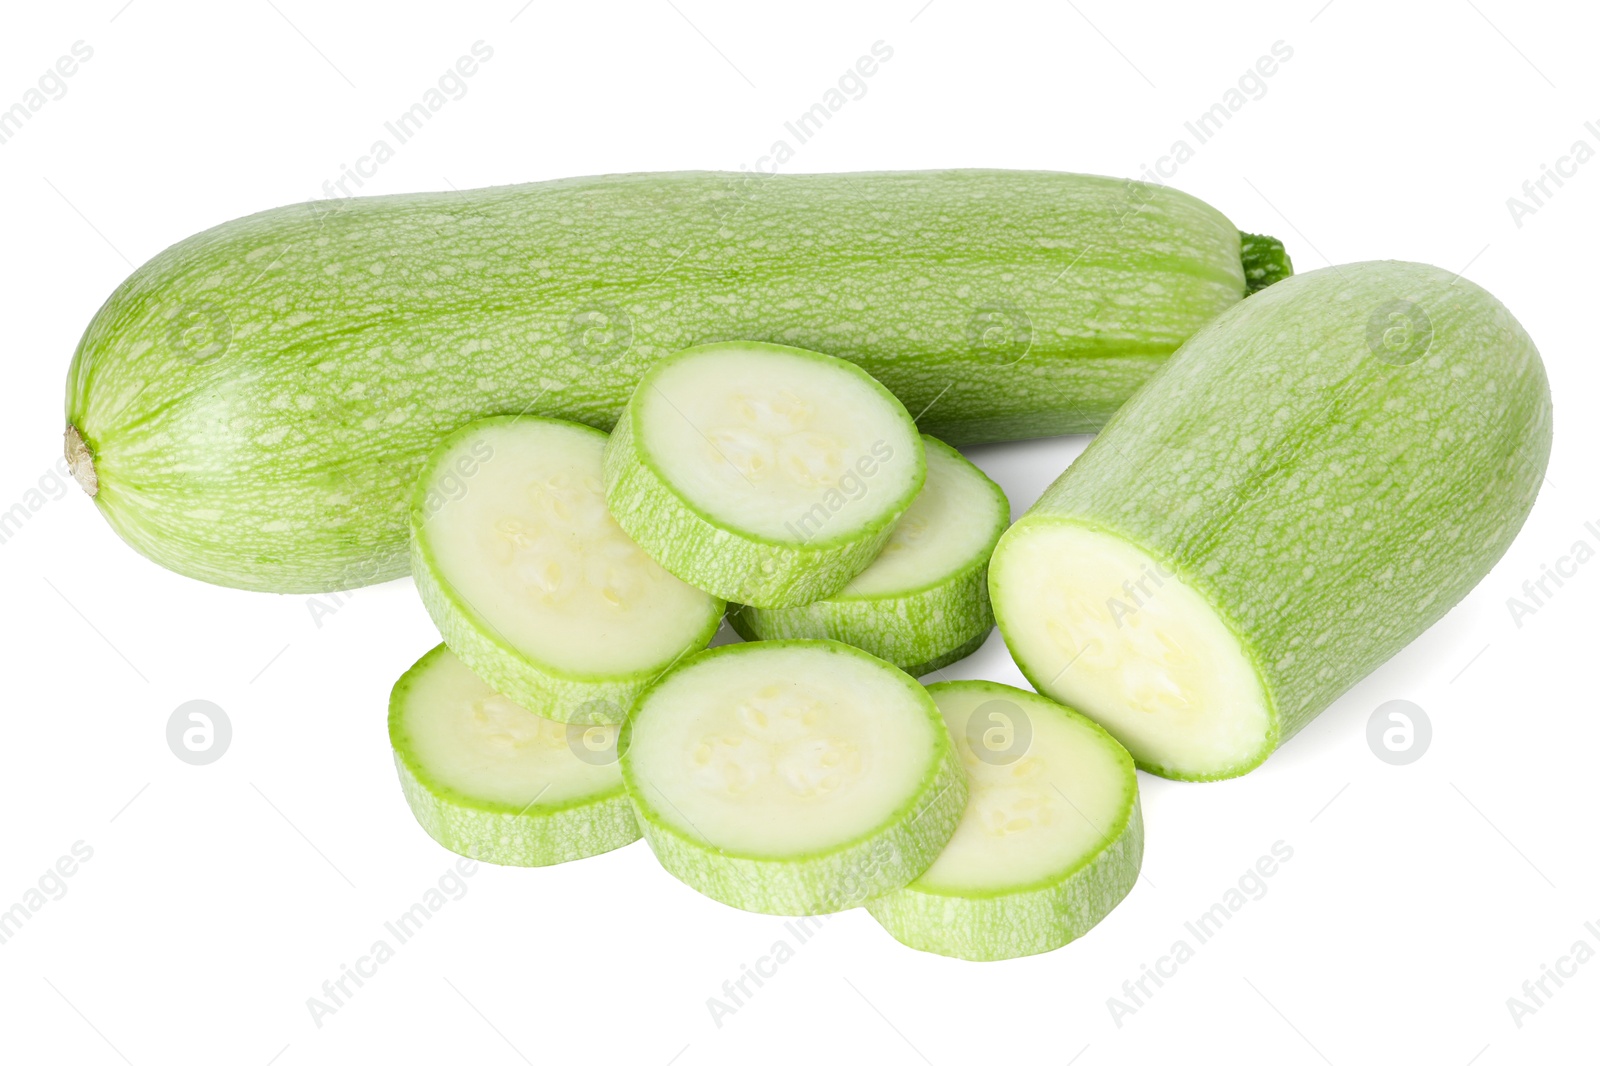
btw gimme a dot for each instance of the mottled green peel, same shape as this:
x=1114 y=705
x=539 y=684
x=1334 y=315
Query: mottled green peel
x=255 y=402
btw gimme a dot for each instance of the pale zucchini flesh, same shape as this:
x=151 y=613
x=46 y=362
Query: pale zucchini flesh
x=490 y=779
x=532 y=582
x=1051 y=839
x=1104 y=625
x=923 y=603
x=253 y=405
x=1312 y=481
x=791 y=777
x=762 y=473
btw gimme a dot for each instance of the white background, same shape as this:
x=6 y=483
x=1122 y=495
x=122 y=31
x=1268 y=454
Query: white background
x=219 y=898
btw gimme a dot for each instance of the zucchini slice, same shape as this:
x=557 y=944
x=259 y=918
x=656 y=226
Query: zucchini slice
x=1313 y=480
x=791 y=777
x=763 y=474
x=924 y=601
x=494 y=781
x=1051 y=839
x=532 y=583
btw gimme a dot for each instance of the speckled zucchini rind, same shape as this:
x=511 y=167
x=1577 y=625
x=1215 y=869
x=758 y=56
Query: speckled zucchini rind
x=252 y=405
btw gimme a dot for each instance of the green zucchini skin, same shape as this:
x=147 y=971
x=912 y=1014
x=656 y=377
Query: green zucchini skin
x=1265 y=260
x=1013 y=924
x=833 y=881
x=1330 y=496
x=953 y=620
x=512 y=838
x=255 y=402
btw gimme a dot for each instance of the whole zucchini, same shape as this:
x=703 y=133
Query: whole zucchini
x=252 y=405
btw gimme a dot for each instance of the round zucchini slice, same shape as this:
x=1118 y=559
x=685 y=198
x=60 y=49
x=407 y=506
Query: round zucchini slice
x=1051 y=839
x=492 y=780
x=530 y=580
x=791 y=777
x=762 y=474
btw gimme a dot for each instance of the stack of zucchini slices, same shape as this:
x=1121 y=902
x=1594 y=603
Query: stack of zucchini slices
x=578 y=579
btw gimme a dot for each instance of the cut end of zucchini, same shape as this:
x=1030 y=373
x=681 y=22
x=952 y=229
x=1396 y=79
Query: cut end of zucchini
x=1051 y=839
x=81 y=461
x=532 y=582
x=1265 y=261
x=1097 y=623
x=791 y=777
x=492 y=780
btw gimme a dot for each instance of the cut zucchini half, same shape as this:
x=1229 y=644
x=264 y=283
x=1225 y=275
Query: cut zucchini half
x=530 y=580
x=1098 y=623
x=762 y=474
x=1314 y=479
x=1051 y=839
x=791 y=777
x=490 y=779
x=924 y=601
